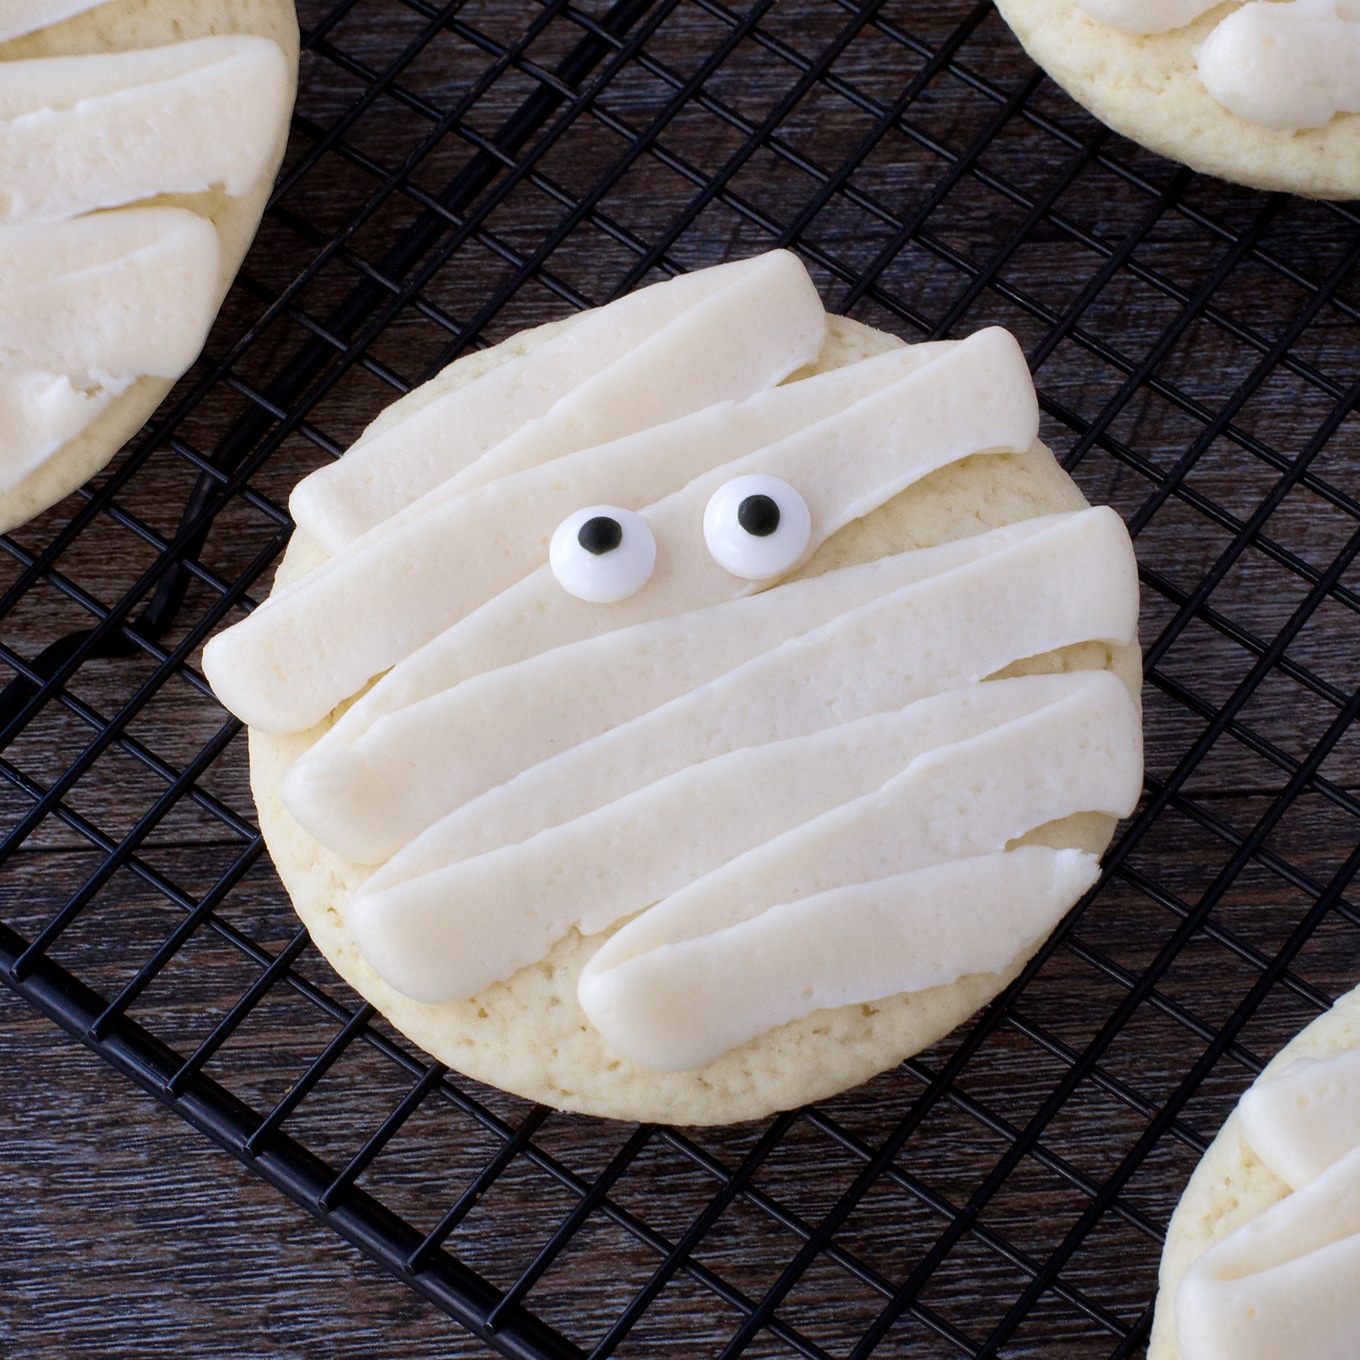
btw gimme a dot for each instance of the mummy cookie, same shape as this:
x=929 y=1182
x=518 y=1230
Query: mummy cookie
x=1265 y=93
x=139 y=140
x=1263 y=1252
x=691 y=709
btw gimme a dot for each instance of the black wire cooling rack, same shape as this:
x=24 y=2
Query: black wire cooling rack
x=459 y=171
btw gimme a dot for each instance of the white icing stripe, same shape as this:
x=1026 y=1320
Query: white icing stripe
x=1306 y=1118
x=1080 y=754
x=684 y=1005
x=99 y=131
x=90 y=305
x=448 y=933
x=473 y=729
x=676 y=653
x=953 y=628
x=1284 y=65
x=500 y=530
x=956 y=802
x=1283 y=1284
x=654 y=356
x=976 y=395
x=18 y=17
x=1146 y=16
x=319 y=641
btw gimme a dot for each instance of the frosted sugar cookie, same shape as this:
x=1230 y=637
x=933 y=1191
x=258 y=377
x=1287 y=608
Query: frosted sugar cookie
x=1263 y=1252
x=1265 y=94
x=620 y=720
x=139 y=140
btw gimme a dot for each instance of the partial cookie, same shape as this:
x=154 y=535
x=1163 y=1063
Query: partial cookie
x=529 y=1033
x=1233 y=1186
x=131 y=26
x=1147 y=88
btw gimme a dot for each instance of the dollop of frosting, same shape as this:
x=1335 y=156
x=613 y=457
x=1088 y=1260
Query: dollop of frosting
x=1284 y=1282
x=1283 y=64
x=748 y=762
x=1304 y=1119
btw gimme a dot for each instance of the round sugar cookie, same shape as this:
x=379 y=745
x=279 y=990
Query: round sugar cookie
x=1231 y=1184
x=528 y=1034
x=1147 y=88
x=121 y=26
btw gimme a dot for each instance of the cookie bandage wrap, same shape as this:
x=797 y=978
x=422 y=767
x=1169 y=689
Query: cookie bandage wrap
x=1263 y=1251
x=701 y=722
x=182 y=104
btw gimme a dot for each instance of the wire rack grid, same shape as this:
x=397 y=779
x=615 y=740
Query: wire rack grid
x=461 y=170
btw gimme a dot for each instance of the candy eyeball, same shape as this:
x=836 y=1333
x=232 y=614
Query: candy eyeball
x=757 y=527
x=602 y=554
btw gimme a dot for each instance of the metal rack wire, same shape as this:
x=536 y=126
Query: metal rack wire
x=461 y=170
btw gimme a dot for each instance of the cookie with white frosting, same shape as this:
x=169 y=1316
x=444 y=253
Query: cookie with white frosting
x=601 y=803
x=139 y=140
x=1263 y=1251
x=1265 y=93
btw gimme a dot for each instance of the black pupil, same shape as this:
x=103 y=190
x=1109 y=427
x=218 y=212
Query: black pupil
x=758 y=515
x=602 y=534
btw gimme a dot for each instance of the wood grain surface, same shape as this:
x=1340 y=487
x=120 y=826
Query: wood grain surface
x=126 y=1235
x=1219 y=359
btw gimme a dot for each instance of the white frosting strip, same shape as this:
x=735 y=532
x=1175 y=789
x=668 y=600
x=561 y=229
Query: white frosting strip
x=1284 y=65
x=449 y=933
x=1146 y=16
x=18 y=17
x=91 y=305
x=682 y=1006
x=98 y=131
x=125 y=294
x=1284 y=1284
x=953 y=803
x=473 y=733
x=976 y=395
x=321 y=639
x=501 y=530
x=1081 y=753
x=722 y=630
x=1306 y=1118
x=715 y=335
x=950 y=629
